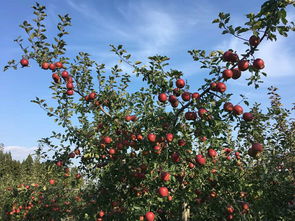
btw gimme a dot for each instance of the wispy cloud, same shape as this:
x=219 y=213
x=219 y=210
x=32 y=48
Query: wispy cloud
x=19 y=152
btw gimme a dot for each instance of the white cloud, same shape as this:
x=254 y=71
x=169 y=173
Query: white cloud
x=19 y=152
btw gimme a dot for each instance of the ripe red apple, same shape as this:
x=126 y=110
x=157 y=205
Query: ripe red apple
x=180 y=83
x=200 y=159
x=190 y=115
x=230 y=209
x=56 y=77
x=107 y=140
x=152 y=137
x=195 y=95
x=227 y=74
x=72 y=155
x=213 y=86
x=181 y=143
x=186 y=96
x=238 y=110
x=172 y=98
x=52 y=181
x=163 y=191
x=162 y=97
x=258 y=63
x=92 y=95
x=221 y=87
x=257 y=147
x=24 y=62
x=227 y=56
x=59 y=163
x=202 y=112
x=254 y=41
x=228 y=106
x=176 y=92
x=101 y=213
x=245 y=206
x=45 y=65
x=70 y=79
x=234 y=57
x=65 y=74
x=70 y=92
x=248 y=116
x=175 y=104
x=58 y=65
x=112 y=151
x=175 y=157
x=78 y=176
x=169 y=137
x=165 y=176
x=243 y=65
x=150 y=216
x=70 y=86
x=212 y=153
x=236 y=73
x=52 y=67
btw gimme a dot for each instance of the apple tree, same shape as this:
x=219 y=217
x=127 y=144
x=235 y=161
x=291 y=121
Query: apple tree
x=169 y=151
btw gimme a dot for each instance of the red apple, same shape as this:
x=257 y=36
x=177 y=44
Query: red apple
x=190 y=115
x=181 y=143
x=212 y=153
x=172 y=98
x=163 y=191
x=230 y=209
x=176 y=92
x=213 y=86
x=234 y=57
x=221 y=87
x=228 y=106
x=70 y=92
x=56 y=77
x=52 y=181
x=175 y=157
x=227 y=56
x=202 y=112
x=165 y=176
x=258 y=63
x=78 y=176
x=107 y=140
x=175 y=104
x=101 y=213
x=243 y=65
x=195 y=95
x=150 y=216
x=112 y=151
x=52 y=67
x=152 y=137
x=58 y=65
x=65 y=74
x=200 y=159
x=248 y=116
x=169 y=137
x=180 y=83
x=92 y=95
x=162 y=97
x=24 y=62
x=72 y=155
x=45 y=65
x=227 y=74
x=257 y=147
x=238 y=110
x=59 y=163
x=186 y=96
x=70 y=86
x=236 y=73
x=254 y=41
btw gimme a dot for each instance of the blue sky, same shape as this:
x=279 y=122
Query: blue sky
x=145 y=28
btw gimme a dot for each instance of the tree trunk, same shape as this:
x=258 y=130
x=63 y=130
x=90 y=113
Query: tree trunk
x=185 y=212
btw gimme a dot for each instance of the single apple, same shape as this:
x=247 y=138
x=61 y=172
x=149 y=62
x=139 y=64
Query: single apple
x=258 y=63
x=254 y=41
x=24 y=62
x=228 y=106
x=180 y=83
x=238 y=110
x=162 y=97
x=227 y=74
x=243 y=65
